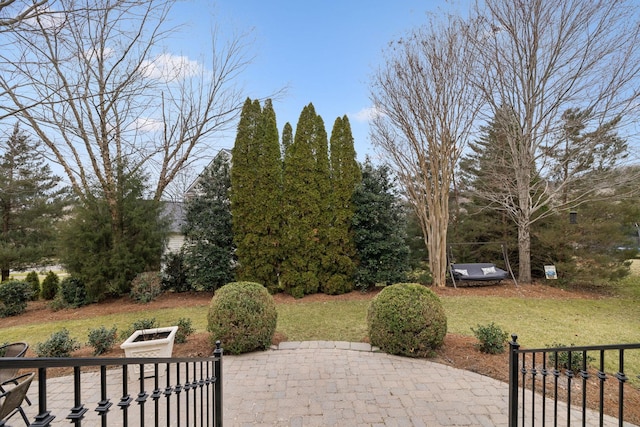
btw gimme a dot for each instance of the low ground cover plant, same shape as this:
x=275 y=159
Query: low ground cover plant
x=492 y=339
x=102 y=339
x=574 y=363
x=407 y=319
x=185 y=328
x=243 y=316
x=146 y=287
x=59 y=344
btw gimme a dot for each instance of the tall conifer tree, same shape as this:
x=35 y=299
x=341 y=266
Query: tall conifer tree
x=338 y=264
x=257 y=194
x=305 y=204
x=243 y=205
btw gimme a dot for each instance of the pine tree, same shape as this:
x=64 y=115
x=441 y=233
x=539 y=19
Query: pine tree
x=338 y=264
x=256 y=178
x=31 y=202
x=244 y=160
x=305 y=205
x=209 y=249
x=379 y=229
x=105 y=262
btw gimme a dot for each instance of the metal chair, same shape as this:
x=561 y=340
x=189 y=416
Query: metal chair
x=11 y=399
x=16 y=349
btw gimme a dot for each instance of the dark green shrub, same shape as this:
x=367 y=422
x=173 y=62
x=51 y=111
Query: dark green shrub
x=174 y=273
x=242 y=315
x=492 y=338
x=577 y=358
x=145 y=323
x=59 y=344
x=184 y=330
x=146 y=287
x=34 y=282
x=102 y=339
x=407 y=319
x=50 y=286
x=14 y=295
x=73 y=292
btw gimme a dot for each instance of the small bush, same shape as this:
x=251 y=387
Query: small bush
x=102 y=339
x=243 y=316
x=50 y=286
x=407 y=319
x=145 y=323
x=13 y=298
x=492 y=338
x=577 y=358
x=34 y=282
x=59 y=344
x=146 y=287
x=174 y=274
x=184 y=330
x=73 y=292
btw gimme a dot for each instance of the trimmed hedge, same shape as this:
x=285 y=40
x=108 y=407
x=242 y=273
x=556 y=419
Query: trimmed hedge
x=243 y=316
x=407 y=319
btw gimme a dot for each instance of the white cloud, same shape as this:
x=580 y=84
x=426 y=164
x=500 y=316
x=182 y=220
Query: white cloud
x=367 y=114
x=168 y=67
x=148 y=124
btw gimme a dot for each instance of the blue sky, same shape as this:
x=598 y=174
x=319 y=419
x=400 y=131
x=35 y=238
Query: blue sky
x=323 y=52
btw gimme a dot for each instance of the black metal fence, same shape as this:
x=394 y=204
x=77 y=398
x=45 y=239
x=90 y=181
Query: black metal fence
x=124 y=391
x=540 y=378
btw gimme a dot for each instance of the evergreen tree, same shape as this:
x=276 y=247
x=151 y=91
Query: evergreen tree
x=339 y=263
x=379 y=229
x=553 y=239
x=305 y=205
x=209 y=249
x=256 y=177
x=31 y=202
x=107 y=257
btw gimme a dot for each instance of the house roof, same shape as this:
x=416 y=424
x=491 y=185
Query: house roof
x=191 y=190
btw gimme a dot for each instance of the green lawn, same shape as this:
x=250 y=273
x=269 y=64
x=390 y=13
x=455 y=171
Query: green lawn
x=538 y=322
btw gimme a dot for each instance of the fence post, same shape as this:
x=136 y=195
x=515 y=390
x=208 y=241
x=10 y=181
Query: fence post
x=217 y=354
x=514 y=346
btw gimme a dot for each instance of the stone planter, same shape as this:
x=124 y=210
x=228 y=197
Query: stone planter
x=156 y=342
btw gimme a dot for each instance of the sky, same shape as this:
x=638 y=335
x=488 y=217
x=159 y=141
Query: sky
x=322 y=52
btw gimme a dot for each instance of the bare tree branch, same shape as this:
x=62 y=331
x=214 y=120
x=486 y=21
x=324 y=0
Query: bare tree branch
x=538 y=60
x=427 y=109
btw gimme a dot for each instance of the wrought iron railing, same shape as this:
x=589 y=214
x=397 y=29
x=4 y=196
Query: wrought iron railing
x=540 y=378
x=99 y=391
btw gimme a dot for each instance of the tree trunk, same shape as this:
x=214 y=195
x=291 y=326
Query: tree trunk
x=524 y=252
x=437 y=242
x=5 y=275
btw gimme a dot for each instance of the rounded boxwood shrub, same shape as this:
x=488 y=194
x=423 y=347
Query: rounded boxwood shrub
x=242 y=315
x=13 y=298
x=407 y=319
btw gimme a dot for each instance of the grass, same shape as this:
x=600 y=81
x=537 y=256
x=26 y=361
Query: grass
x=538 y=322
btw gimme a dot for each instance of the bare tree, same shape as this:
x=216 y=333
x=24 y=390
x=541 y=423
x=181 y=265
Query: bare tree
x=539 y=60
x=13 y=12
x=426 y=111
x=93 y=83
